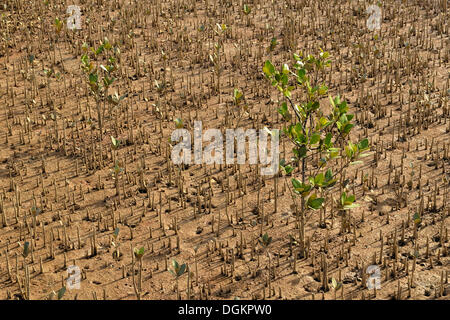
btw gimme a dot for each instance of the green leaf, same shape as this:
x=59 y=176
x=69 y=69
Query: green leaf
x=347 y=128
x=115 y=142
x=284 y=79
x=247 y=9
x=277 y=78
x=331 y=183
x=237 y=95
x=106 y=44
x=26 y=249
x=298 y=129
x=266 y=240
x=61 y=292
x=314 y=106
x=350 y=199
x=287 y=93
x=116 y=232
x=108 y=81
x=268 y=68
x=85 y=60
x=301 y=75
x=273 y=44
x=175 y=265
x=315 y=138
x=323 y=90
x=351 y=206
x=93 y=78
x=58 y=25
x=138 y=253
x=288 y=169
x=323 y=122
x=283 y=110
x=300 y=152
x=85 y=47
x=417 y=219
x=327 y=140
x=182 y=269
x=315 y=203
x=363 y=155
x=297 y=184
x=349 y=152
x=111 y=61
x=328 y=175
x=318 y=180
x=332 y=101
x=99 y=49
x=178 y=123
x=343 y=107
x=363 y=144
x=334 y=283
x=343 y=197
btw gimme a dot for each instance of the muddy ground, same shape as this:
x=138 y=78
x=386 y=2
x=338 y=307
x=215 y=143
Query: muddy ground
x=58 y=193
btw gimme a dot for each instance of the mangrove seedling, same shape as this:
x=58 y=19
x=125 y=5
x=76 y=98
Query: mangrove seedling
x=336 y=285
x=265 y=241
x=138 y=254
x=313 y=134
x=177 y=271
x=99 y=78
x=59 y=294
x=115 y=172
x=115 y=243
x=239 y=103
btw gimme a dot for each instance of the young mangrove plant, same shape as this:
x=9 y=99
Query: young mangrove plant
x=336 y=285
x=116 y=244
x=240 y=105
x=177 y=271
x=100 y=66
x=59 y=294
x=26 y=290
x=265 y=241
x=138 y=254
x=115 y=173
x=318 y=139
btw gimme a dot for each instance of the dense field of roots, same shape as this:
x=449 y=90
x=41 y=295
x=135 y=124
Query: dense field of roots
x=56 y=185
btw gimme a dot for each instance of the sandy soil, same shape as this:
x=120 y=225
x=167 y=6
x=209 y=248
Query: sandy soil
x=396 y=81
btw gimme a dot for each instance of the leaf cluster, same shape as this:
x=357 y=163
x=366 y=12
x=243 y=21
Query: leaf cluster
x=139 y=252
x=101 y=76
x=177 y=270
x=265 y=240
